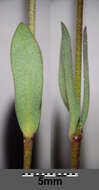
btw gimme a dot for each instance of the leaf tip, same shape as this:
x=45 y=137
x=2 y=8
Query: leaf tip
x=65 y=30
x=85 y=33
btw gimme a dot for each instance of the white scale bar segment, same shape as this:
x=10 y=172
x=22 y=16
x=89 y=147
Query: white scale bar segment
x=50 y=174
x=28 y=175
x=73 y=175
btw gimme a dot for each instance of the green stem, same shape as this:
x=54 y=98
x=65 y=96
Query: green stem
x=28 y=143
x=79 y=24
x=76 y=140
x=32 y=15
x=78 y=66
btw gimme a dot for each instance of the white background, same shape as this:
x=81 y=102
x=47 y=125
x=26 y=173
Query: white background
x=52 y=144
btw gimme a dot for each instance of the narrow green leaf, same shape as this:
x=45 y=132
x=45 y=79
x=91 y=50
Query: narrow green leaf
x=86 y=81
x=26 y=61
x=62 y=85
x=66 y=79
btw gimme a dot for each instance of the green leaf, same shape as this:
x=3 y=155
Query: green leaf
x=85 y=107
x=27 y=69
x=62 y=85
x=66 y=80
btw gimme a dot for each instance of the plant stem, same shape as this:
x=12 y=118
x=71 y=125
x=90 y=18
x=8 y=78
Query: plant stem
x=32 y=15
x=28 y=143
x=79 y=24
x=76 y=139
x=75 y=156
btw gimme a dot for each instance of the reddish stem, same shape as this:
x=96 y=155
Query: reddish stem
x=75 y=153
x=28 y=143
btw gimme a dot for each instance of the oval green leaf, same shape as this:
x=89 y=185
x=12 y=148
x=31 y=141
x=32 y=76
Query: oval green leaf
x=27 y=69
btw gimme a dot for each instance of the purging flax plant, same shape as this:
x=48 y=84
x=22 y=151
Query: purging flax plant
x=70 y=84
x=27 y=69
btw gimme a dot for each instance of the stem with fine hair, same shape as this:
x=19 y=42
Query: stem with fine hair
x=79 y=23
x=76 y=140
x=32 y=15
